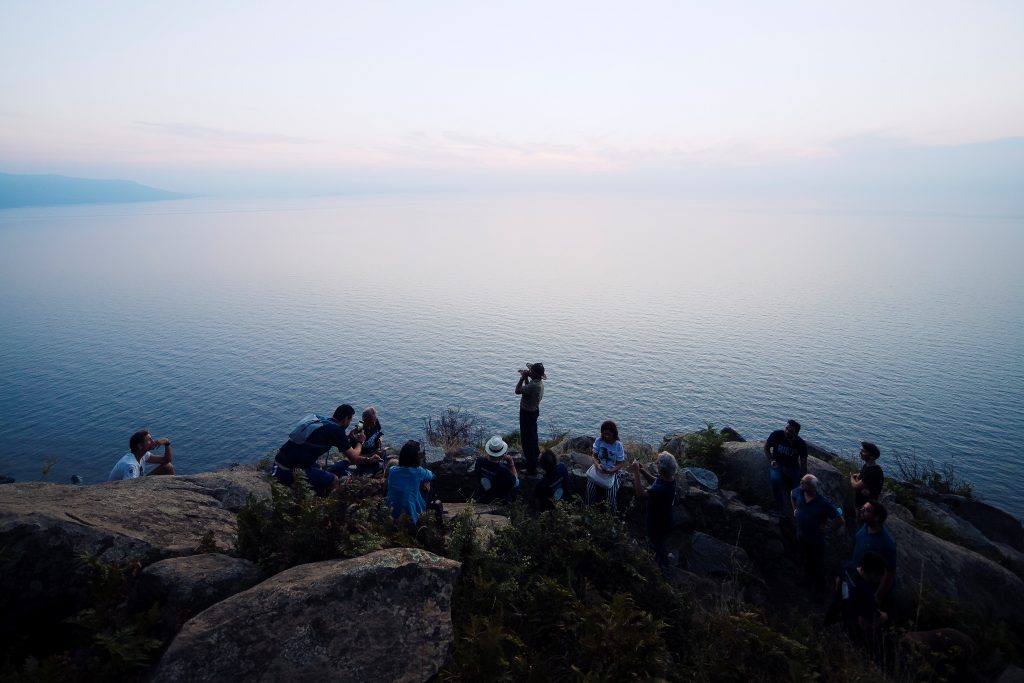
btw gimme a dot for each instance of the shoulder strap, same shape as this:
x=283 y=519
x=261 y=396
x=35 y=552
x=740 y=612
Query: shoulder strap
x=301 y=431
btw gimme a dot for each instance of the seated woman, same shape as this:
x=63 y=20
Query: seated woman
x=609 y=457
x=406 y=484
x=555 y=485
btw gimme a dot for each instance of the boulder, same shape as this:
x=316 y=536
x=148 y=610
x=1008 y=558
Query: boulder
x=995 y=524
x=385 y=616
x=46 y=528
x=185 y=586
x=489 y=518
x=4 y=479
x=730 y=434
x=577 y=444
x=956 y=528
x=954 y=573
x=747 y=473
x=708 y=556
x=674 y=443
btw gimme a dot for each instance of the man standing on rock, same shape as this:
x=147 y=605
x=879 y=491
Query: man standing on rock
x=138 y=461
x=867 y=485
x=874 y=537
x=531 y=388
x=816 y=516
x=787 y=461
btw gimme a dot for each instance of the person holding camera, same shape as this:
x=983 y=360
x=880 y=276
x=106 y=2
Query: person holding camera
x=531 y=388
x=312 y=437
x=369 y=462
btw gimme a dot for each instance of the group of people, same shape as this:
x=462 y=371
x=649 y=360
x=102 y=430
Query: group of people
x=863 y=588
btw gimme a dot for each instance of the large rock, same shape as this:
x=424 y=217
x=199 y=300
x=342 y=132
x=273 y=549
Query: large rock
x=995 y=524
x=385 y=616
x=46 y=528
x=185 y=586
x=709 y=556
x=962 y=532
x=955 y=573
x=747 y=473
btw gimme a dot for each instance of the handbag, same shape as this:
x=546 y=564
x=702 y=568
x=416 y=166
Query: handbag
x=601 y=479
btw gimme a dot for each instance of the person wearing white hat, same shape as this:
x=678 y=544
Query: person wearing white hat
x=495 y=472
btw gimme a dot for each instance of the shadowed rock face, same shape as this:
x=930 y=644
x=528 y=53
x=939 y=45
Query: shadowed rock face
x=326 y=621
x=185 y=586
x=955 y=573
x=747 y=473
x=45 y=528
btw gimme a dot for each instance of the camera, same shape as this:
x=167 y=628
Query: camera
x=359 y=428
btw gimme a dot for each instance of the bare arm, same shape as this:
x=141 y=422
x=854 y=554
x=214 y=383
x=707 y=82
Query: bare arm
x=164 y=459
x=524 y=379
x=639 y=472
x=511 y=465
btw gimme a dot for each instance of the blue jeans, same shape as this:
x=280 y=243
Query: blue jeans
x=784 y=479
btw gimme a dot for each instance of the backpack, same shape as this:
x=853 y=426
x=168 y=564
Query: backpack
x=301 y=431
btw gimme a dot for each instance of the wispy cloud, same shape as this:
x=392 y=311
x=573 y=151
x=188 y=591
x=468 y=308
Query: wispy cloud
x=195 y=132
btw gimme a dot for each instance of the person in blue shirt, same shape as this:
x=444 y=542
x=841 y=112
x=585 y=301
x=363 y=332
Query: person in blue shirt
x=661 y=496
x=555 y=485
x=816 y=516
x=407 y=483
x=874 y=537
x=609 y=457
x=310 y=439
x=787 y=461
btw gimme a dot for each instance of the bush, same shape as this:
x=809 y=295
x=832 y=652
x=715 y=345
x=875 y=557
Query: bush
x=704 y=449
x=454 y=429
x=925 y=472
x=563 y=595
x=295 y=526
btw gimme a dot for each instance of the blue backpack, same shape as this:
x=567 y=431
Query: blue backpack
x=301 y=431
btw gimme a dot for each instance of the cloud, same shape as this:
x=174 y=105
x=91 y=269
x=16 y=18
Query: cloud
x=194 y=132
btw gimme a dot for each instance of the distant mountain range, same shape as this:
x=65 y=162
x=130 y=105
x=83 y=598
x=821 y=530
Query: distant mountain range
x=56 y=190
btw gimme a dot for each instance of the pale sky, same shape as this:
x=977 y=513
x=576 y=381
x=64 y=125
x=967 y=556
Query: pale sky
x=183 y=94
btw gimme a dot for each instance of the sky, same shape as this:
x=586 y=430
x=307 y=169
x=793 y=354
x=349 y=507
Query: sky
x=334 y=96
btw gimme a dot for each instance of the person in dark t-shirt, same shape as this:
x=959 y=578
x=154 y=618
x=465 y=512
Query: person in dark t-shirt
x=867 y=485
x=816 y=516
x=555 y=485
x=786 y=453
x=496 y=473
x=310 y=439
x=661 y=496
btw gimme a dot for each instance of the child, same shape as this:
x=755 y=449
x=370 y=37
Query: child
x=554 y=485
x=405 y=483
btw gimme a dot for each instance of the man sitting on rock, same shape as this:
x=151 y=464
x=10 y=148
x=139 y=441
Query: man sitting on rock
x=787 y=460
x=815 y=516
x=139 y=461
x=313 y=437
x=867 y=485
x=496 y=472
x=874 y=537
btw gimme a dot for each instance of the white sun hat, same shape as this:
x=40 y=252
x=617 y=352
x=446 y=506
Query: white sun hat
x=496 y=447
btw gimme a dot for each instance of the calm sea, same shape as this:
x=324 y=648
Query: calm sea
x=220 y=323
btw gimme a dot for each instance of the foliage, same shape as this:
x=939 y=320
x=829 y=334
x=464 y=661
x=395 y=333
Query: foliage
x=556 y=436
x=514 y=439
x=454 y=429
x=295 y=526
x=704 y=449
x=748 y=649
x=925 y=472
x=563 y=595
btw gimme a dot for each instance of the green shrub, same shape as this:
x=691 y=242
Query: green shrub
x=704 y=449
x=454 y=429
x=565 y=595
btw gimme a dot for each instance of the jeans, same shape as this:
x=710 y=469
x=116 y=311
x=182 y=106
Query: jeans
x=784 y=480
x=528 y=434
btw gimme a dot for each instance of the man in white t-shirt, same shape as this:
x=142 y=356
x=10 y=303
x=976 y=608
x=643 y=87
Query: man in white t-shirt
x=139 y=461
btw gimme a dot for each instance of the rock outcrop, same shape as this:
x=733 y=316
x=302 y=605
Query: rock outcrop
x=954 y=573
x=46 y=528
x=342 y=620
x=185 y=586
x=747 y=473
